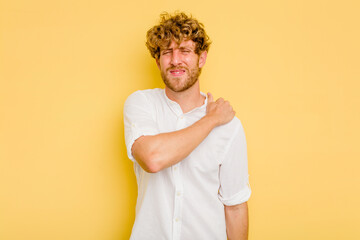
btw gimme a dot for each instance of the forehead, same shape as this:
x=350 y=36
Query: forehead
x=183 y=44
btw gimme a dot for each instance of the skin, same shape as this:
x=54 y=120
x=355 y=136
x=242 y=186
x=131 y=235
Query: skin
x=182 y=88
x=237 y=221
x=180 y=66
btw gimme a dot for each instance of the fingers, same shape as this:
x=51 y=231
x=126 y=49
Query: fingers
x=220 y=100
x=210 y=97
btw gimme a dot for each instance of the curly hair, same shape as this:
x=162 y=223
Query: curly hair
x=177 y=27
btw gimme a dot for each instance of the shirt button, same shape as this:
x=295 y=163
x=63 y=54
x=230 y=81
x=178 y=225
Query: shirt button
x=175 y=168
x=177 y=219
x=178 y=193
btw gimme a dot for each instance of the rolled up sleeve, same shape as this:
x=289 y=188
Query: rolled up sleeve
x=139 y=120
x=234 y=178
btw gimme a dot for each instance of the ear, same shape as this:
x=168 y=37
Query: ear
x=158 y=63
x=202 y=59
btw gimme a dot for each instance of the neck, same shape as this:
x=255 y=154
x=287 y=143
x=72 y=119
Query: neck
x=188 y=99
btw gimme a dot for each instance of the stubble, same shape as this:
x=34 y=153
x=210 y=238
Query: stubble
x=174 y=83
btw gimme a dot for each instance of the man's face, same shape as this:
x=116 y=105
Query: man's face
x=180 y=65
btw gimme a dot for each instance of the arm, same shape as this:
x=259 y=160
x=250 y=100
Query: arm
x=237 y=222
x=160 y=151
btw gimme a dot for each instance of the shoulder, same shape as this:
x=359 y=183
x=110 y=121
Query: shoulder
x=227 y=133
x=142 y=97
x=234 y=127
x=228 y=139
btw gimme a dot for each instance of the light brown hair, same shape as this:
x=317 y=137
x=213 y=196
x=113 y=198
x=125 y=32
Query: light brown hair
x=177 y=27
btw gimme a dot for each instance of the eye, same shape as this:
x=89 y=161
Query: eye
x=185 y=51
x=165 y=52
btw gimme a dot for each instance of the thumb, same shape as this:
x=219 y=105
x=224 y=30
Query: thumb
x=210 y=97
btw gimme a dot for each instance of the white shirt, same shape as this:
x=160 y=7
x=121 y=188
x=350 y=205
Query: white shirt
x=185 y=201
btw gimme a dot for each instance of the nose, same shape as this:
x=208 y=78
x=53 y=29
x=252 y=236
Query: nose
x=175 y=58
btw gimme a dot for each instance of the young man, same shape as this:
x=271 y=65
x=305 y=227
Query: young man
x=189 y=151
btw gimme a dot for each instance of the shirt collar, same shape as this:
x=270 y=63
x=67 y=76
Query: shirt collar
x=175 y=107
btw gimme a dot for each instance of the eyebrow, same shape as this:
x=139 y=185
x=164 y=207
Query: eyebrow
x=181 y=48
x=186 y=48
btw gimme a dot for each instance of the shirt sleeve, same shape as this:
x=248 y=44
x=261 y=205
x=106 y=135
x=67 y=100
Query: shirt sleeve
x=234 y=179
x=139 y=119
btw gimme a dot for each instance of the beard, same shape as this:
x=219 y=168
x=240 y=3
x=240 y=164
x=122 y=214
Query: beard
x=179 y=84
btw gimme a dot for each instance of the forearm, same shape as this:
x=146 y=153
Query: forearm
x=237 y=223
x=157 y=152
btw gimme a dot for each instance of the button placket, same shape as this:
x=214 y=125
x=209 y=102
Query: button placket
x=178 y=201
x=178 y=196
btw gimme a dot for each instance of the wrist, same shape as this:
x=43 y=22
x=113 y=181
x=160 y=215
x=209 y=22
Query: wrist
x=211 y=120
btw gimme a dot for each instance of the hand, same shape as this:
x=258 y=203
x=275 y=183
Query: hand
x=220 y=110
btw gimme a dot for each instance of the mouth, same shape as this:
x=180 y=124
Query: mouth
x=177 y=72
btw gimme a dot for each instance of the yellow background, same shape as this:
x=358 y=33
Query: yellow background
x=289 y=68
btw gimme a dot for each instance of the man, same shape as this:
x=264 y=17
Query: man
x=189 y=151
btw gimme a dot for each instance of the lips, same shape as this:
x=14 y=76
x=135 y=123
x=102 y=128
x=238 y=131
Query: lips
x=177 y=72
